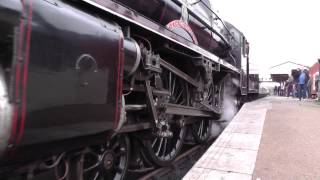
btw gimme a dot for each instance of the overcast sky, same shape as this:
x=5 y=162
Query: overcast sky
x=277 y=30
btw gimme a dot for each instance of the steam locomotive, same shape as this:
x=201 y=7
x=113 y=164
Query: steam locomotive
x=92 y=88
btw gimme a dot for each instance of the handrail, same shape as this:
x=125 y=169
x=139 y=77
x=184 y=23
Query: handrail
x=211 y=29
x=224 y=25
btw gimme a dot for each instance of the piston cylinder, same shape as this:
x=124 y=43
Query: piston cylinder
x=132 y=56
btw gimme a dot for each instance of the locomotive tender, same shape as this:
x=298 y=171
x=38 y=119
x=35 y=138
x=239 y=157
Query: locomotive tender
x=90 y=88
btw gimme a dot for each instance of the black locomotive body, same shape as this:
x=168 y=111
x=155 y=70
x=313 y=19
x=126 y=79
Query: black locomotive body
x=81 y=81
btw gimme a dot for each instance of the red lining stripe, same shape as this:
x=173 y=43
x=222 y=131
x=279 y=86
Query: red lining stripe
x=25 y=75
x=119 y=82
x=163 y=12
x=17 y=82
x=181 y=24
x=18 y=75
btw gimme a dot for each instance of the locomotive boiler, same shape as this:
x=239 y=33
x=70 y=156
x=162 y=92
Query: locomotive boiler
x=92 y=88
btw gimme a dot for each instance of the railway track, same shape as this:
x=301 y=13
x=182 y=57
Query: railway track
x=180 y=165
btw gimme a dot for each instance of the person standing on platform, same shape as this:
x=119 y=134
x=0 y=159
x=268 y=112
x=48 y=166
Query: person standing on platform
x=290 y=86
x=282 y=86
x=309 y=86
x=306 y=84
x=275 y=90
x=301 y=82
x=294 y=89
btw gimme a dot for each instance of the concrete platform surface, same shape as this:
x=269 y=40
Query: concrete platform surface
x=290 y=145
x=269 y=139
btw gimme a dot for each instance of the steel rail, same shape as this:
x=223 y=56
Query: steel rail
x=178 y=160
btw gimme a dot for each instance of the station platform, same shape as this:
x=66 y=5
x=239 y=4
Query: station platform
x=273 y=138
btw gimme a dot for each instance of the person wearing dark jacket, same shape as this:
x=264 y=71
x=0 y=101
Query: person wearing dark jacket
x=301 y=82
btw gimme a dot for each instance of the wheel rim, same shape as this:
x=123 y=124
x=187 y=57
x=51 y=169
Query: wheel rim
x=162 y=150
x=109 y=161
x=165 y=149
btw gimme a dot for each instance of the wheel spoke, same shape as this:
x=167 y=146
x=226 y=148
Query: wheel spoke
x=220 y=95
x=178 y=97
x=118 y=169
x=202 y=127
x=93 y=153
x=96 y=175
x=154 y=142
x=170 y=144
x=92 y=167
x=159 y=147
x=187 y=91
x=170 y=83
x=115 y=145
x=173 y=86
x=165 y=147
x=211 y=97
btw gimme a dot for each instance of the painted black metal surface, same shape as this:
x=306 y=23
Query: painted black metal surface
x=72 y=79
x=64 y=83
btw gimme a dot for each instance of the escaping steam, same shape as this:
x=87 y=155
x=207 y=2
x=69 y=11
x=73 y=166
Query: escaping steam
x=230 y=100
x=229 y=106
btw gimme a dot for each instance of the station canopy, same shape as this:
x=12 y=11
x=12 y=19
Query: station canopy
x=279 y=77
x=281 y=72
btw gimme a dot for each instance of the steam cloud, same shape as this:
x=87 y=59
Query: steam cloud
x=229 y=107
